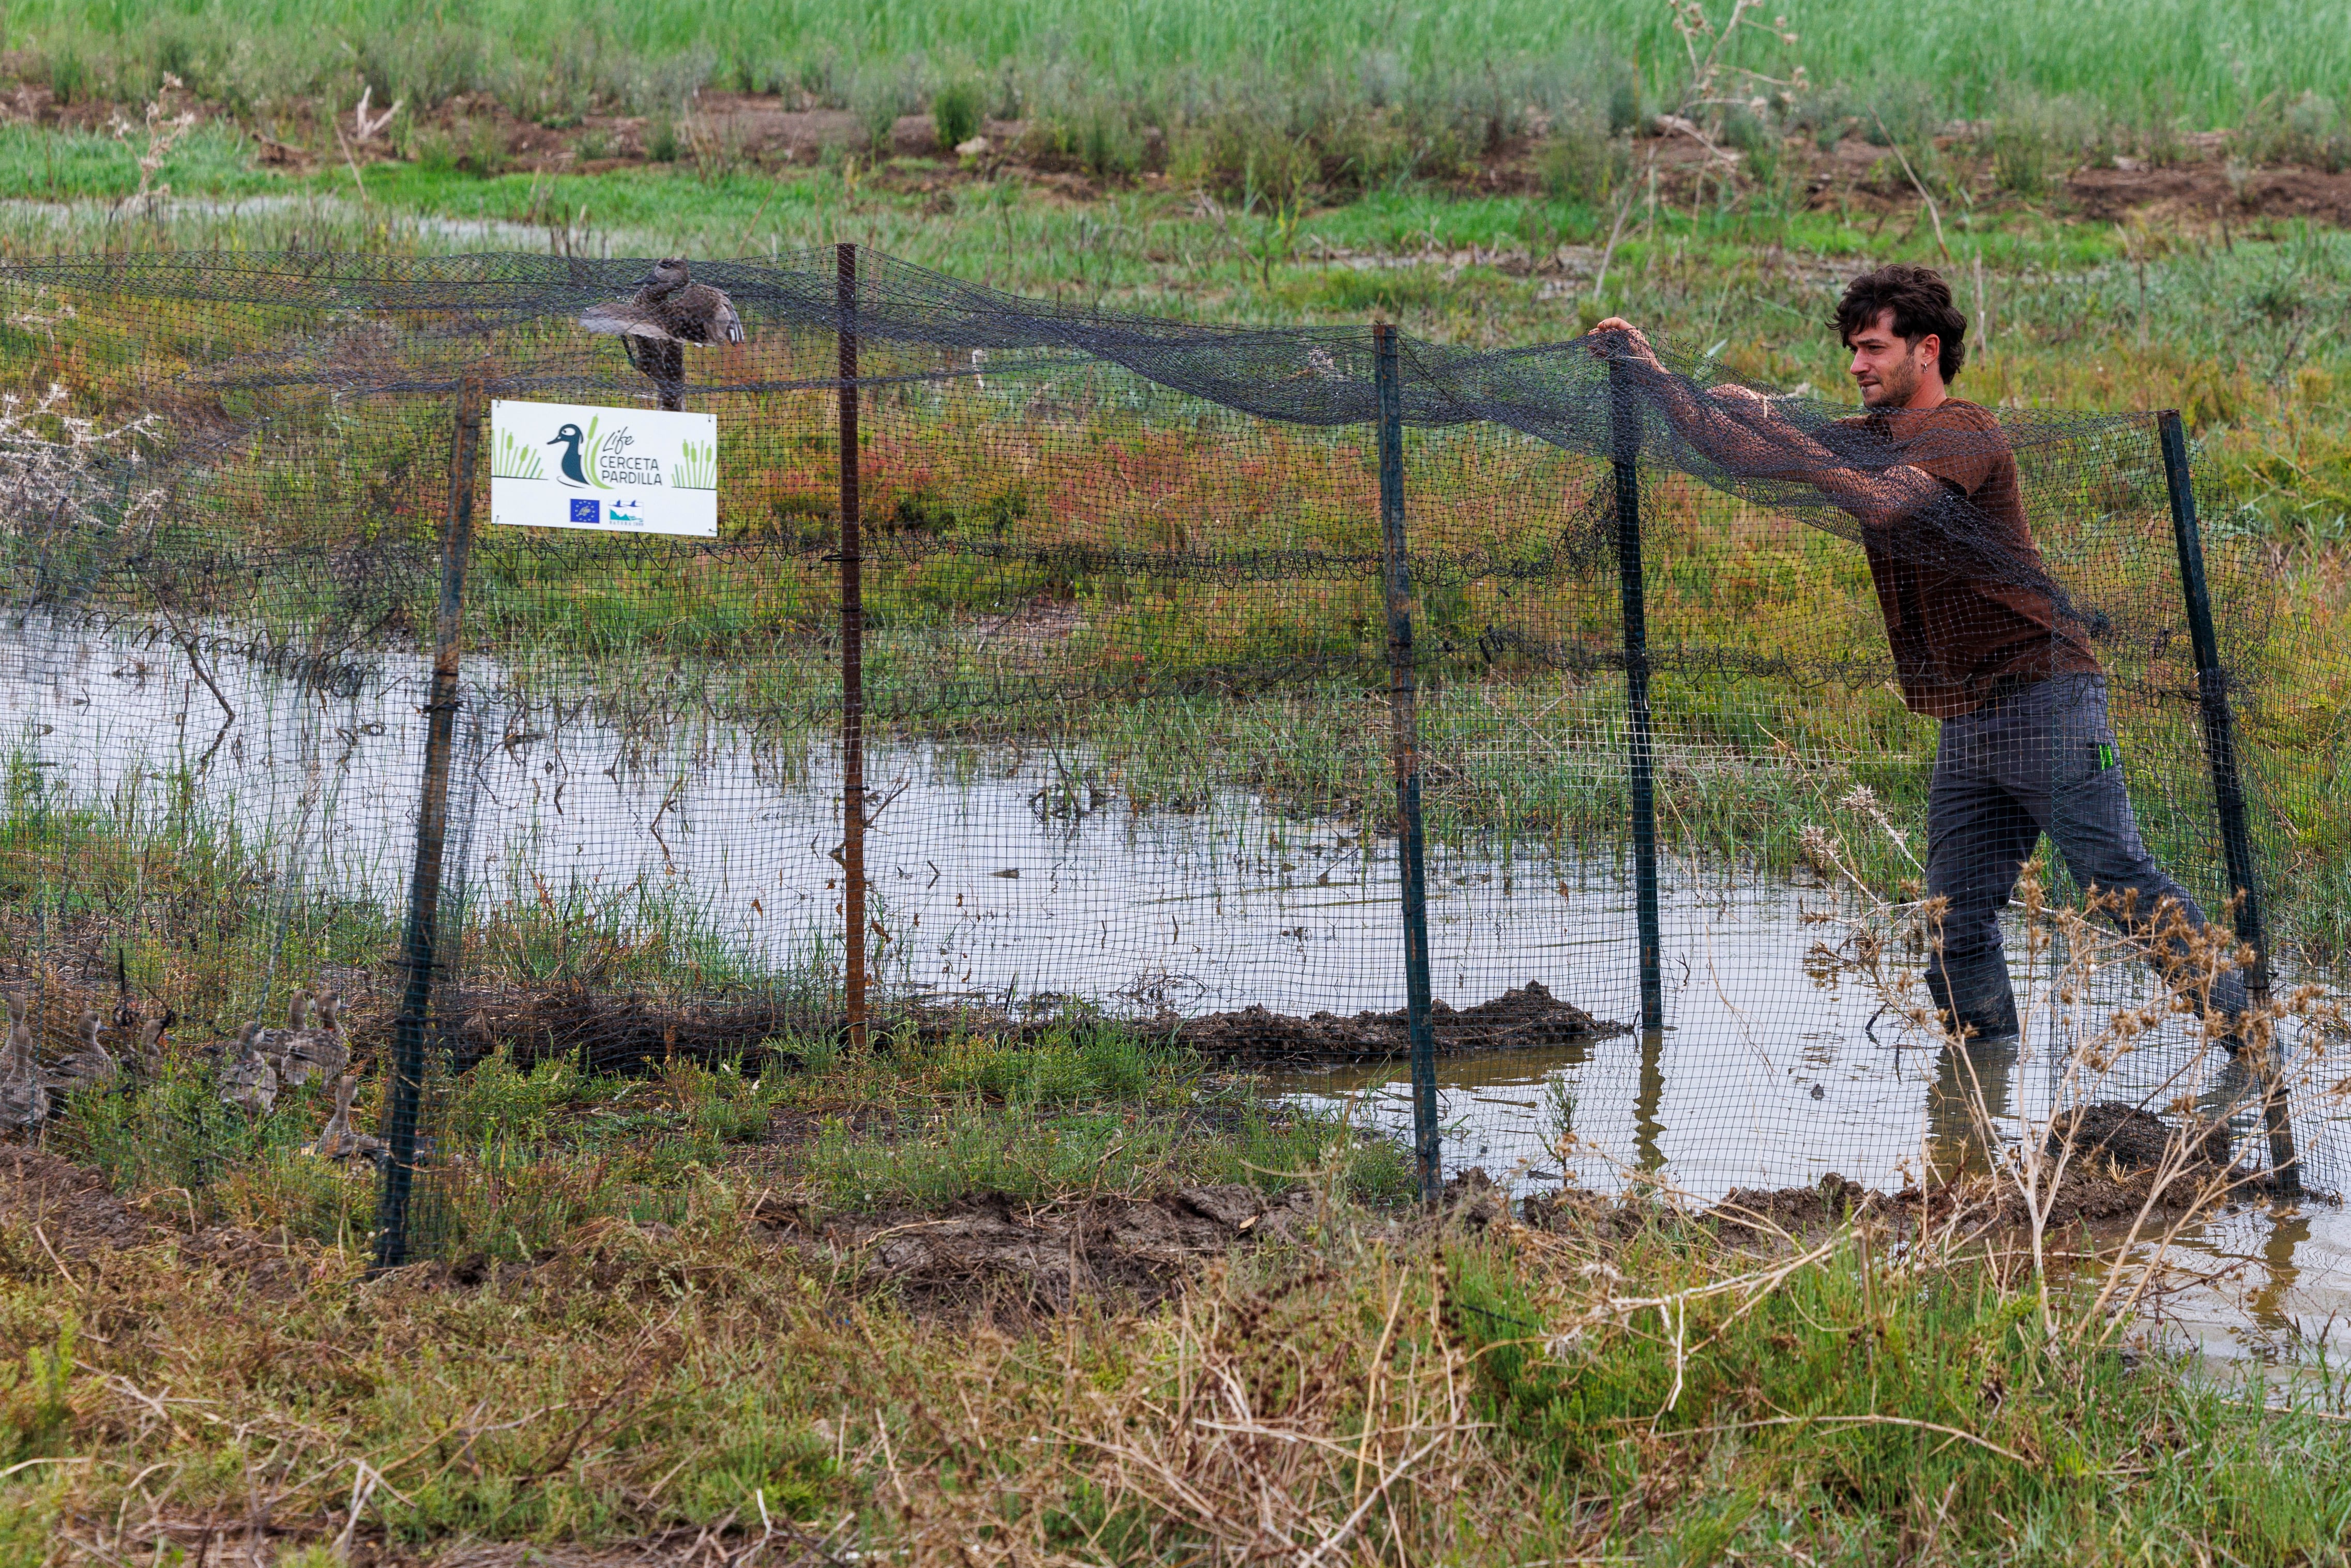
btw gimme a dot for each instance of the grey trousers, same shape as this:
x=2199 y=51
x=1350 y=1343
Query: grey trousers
x=2040 y=760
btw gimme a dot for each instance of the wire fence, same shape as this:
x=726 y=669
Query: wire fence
x=395 y=689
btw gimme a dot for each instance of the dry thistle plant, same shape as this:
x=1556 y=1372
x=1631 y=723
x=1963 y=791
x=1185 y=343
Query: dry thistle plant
x=164 y=130
x=47 y=454
x=2097 y=1048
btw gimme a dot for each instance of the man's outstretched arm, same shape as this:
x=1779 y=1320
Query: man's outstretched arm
x=1741 y=430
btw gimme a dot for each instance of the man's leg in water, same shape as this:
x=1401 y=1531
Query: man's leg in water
x=1979 y=834
x=2089 y=816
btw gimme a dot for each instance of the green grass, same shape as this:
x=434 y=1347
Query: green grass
x=38 y=164
x=1822 y=1417
x=1616 y=1385
x=2204 y=62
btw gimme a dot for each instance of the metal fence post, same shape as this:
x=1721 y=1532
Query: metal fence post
x=2228 y=783
x=1404 y=745
x=1625 y=447
x=853 y=662
x=420 y=942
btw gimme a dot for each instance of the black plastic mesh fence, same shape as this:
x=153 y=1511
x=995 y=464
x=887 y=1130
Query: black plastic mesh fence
x=1134 y=683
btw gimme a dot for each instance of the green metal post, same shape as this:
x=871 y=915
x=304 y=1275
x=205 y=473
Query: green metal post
x=1404 y=745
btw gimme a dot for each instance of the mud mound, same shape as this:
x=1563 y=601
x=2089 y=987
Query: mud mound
x=608 y=1031
x=1793 y=1209
x=989 y=1256
x=1529 y=1016
x=2092 y=1192
x=2133 y=1139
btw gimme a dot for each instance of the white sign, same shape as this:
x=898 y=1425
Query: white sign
x=620 y=470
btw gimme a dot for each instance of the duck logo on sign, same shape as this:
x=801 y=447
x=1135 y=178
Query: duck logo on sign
x=657 y=469
x=578 y=464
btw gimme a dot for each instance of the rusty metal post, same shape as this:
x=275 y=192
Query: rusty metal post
x=420 y=946
x=1405 y=744
x=853 y=662
x=2228 y=786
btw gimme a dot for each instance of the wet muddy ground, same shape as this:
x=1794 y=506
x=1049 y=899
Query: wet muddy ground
x=1011 y=889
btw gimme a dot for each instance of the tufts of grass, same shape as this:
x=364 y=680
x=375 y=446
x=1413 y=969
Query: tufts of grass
x=1618 y=1384
x=2213 y=61
x=69 y=165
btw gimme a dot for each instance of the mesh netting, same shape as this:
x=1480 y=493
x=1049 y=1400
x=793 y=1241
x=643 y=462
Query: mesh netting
x=1779 y=786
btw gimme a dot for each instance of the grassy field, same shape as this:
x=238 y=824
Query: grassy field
x=2208 y=64
x=815 y=1305
x=672 y=1329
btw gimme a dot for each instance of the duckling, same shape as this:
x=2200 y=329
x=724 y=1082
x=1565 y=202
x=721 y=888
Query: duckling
x=323 y=1049
x=150 y=1051
x=250 y=1082
x=24 y=1098
x=89 y=1065
x=277 y=1043
x=337 y=1140
x=668 y=308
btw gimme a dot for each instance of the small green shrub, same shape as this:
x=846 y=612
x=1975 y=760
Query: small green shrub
x=497 y=1099
x=1238 y=155
x=955 y=113
x=423 y=64
x=1752 y=132
x=2313 y=130
x=1902 y=113
x=467 y=146
x=877 y=98
x=2035 y=141
x=71 y=78
x=34 y=1408
x=1582 y=163
x=661 y=143
x=1097 y=133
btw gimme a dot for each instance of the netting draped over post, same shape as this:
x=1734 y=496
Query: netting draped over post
x=1753 y=744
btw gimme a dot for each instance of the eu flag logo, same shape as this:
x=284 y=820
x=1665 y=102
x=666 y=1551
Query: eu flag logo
x=585 y=511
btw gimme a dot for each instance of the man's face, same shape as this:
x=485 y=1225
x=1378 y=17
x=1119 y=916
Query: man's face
x=1887 y=369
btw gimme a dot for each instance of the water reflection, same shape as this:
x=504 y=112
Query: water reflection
x=1971 y=1107
x=1648 y=1154
x=1040 y=877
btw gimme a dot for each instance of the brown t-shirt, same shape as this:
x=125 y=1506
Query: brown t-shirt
x=1961 y=631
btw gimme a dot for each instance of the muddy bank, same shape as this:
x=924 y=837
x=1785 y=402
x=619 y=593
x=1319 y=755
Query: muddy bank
x=618 y=1031
x=991 y=1257
x=1528 y=1017
x=2119 y=1159
x=614 y=1032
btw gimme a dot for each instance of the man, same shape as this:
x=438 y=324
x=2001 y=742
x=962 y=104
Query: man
x=1983 y=639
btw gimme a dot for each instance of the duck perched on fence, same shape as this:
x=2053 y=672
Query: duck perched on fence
x=668 y=309
x=24 y=1097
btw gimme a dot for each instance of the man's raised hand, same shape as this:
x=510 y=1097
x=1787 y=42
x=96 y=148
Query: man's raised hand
x=1637 y=343
x=1635 y=337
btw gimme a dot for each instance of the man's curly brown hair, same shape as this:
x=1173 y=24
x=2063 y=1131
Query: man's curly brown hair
x=1921 y=303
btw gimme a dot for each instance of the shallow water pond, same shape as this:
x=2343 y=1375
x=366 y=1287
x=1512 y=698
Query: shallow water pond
x=1033 y=879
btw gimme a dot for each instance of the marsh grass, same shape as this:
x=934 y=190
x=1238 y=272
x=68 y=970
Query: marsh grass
x=1615 y=1383
x=2136 y=59
x=1081 y=1109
